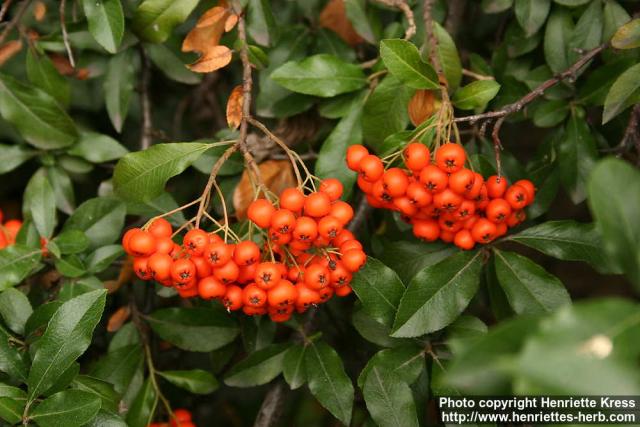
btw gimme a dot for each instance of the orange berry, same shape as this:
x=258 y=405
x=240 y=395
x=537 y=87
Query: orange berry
x=332 y=188
x=260 y=212
x=450 y=157
x=160 y=227
x=355 y=154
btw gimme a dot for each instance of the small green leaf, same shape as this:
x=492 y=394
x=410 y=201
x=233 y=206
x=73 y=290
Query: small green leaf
x=39 y=204
x=438 y=294
x=196 y=381
x=328 y=381
x=587 y=33
x=15 y=309
x=496 y=6
x=403 y=61
x=556 y=39
x=406 y=362
x=62 y=189
x=119 y=366
x=106 y=22
x=101 y=219
x=577 y=155
x=194 y=329
x=35 y=114
x=13 y=156
x=532 y=14
x=408 y=258
x=69 y=408
x=448 y=55
x=102 y=389
x=154 y=20
x=143 y=407
x=615 y=16
x=627 y=36
x=261 y=23
x=379 y=289
x=385 y=111
x=16 y=262
x=67 y=336
x=320 y=75
x=171 y=65
x=141 y=176
x=97 y=148
x=476 y=94
x=71 y=241
x=70 y=266
x=357 y=14
x=118 y=87
x=13 y=362
x=43 y=74
x=373 y=331
x=572 y=3
x=389 y=399
x=551 y=113
x=259 y=368
x=100 y=259
x=624 y=92
x=11 y=409
x=40 y=317
x=293 y=367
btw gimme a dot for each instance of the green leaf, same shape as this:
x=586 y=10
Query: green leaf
x=16 y=262
x=438 y=294
x=528 y=287
x=15 y=309
x=572 y=3
x=406 y=362
x=40 y=317
x=551 y=113
x=532 y=14
x=463 y=332
x=72 y=288
x=74 y=165
x=614 y=16
x=171 y=65
x=320 y=75
x=476 y=94
x=97 y=148
x=35 y=114
x=448 y=55
x=259 y=368
x=627 y=36
x=597 y=83
x=379 y=289
x=141 y=176
x=196 y=381
x=261 y=24
x=587 y=33
x=357 y=14
x=293 y=368
x=119 y=366
x=102 y=389
x=66 y=409
x=614 y=194
x=71 y=241
x=332 y=156
x=11 y=409
x=101 y=219
x=389 y=399
x=624 y=92
x=373 y=331
x=107 y=419
x=143 y=407
x=194 y=329
x=67 y=336
x=385 y=111
x=496 y=6
x=577 y=156
x=106 y=22
x=100 y=259
x=566 y=240
x=43 y=74
x=118 y=87
x=327 y=380
x=12 y=361
x=39 y=204
x=13 y=156
x=403 y=61
x=154 y=20
x=556 y=39
x=62 y=189
x=407 y=258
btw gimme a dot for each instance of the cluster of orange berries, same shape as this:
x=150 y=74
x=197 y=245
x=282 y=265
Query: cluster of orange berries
x=8 y=231
x=442 y=199
x=307 y=257
x=182 y=418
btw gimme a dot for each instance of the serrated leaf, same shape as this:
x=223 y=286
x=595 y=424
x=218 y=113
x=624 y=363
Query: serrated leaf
x=35 y=114
x=39 y=204
x=196 y=381
x=141 y=176
x=438 y=294
x=67 y=336
x=118 y=87
x=154 y=20
x=476 y=94
x=15 y=309
x=259 y=368
x=16 y=262
x=624 y=92
x=403 y=61
x=320 y=75
x=532 y=14
x=389 y=399
x=106 y=22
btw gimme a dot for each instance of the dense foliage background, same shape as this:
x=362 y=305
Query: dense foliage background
x=90 y=92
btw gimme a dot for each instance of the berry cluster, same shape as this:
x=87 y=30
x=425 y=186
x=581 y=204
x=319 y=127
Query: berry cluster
x=182 y=418
x=8 y=231
x=307 y=256
x=442 y=199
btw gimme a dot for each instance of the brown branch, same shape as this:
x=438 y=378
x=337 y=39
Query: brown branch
x=204 y=199
x=4 y=9
x=14 y=21
x=147 y=124
x=432 y=41
x=65 y=35
x=408 y=13
x=359 y=217
x=455 y=14
x=272 y=405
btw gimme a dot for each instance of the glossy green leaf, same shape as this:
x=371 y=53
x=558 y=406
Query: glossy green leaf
x=531 y=15
x=71 y=241
x=614 y=16
x=107 y=419
x=448 y=55
x=259 y=368
x=119 y=365
x=624 y=92
x=476 y=94
x=103 y=390
x=389 y=399
x=403 y=60
x=171 y=65
x=577 y=156
x=613 y=198
x=556 y=40
x=15 y=309
x=379 y=289
x=97 y=148
x=11 y=409
x=141 y=176
x=572 y=3
x=16 y=262
x=101 y=219
x=39 y=204
x=261 y=23
x=407 y=258
x=385 y=111
x=13 y=156
x=587 y=33
x=67 y=336
x=118 y=87
x=194 y=329
x=154 y=20
x=320 y=75
x=40 y=317
x=406 y=362
x=13 y=361
x=43 y=74
x=35 y=114
x=195 y=381
x=143 y=407
x=100 y=259
x=328 y=381
x=293 y=367
x=106 y=22
x=66 y=409
x=373 y=331
x=357 y=14
x=438 y=294
x=62 y=189
x=551 y=113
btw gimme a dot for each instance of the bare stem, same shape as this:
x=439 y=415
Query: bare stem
x=476 y=76
x=408 y=13
x=212 y=178
x=4 y=9
x=65 y=35
x=14 y=21
x=147 y=123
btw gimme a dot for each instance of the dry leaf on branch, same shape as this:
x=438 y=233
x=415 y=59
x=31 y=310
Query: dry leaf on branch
x=234 y=107
x=9 y=49
x=276 y=175
x=334 y=17
x=118 y=318
x=422 y=106
x=62 y=64
x=204 y=38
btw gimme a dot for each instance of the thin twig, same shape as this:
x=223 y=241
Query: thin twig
x=359 y=217
x=14 y=21
x=272 y=405
x=212 y=177
x=4 y=9
x=408 y=13
x=476 y=76
x=147 y=124
x=65 y=35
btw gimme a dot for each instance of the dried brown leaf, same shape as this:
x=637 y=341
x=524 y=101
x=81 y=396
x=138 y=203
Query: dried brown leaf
x=334 y=17
x=422 y=105
x=39 y=11
x=118 y=318
x=214 y=59
x=276 y=176
x=231 y=22
x=234 y=107
x=9 y=49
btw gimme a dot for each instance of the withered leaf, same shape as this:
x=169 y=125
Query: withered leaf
x=422 y=106
x=9 y=49
x=118 y=318
x=334 y=17
x=276 y=176
x=234 y=107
